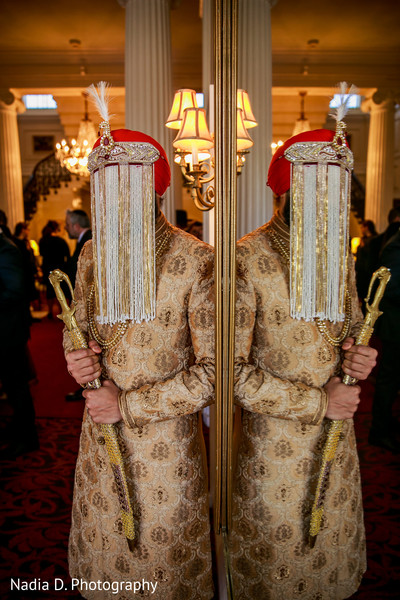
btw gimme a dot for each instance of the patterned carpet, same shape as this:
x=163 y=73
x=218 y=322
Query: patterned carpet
x=36 y=506
x=37 y=490
x=380 y=474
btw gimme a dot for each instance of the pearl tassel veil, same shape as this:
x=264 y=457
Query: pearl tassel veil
x=122 y=198
x=319 y=232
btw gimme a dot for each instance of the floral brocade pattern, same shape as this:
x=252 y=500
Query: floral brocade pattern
x=281 y=366
x=166 y=368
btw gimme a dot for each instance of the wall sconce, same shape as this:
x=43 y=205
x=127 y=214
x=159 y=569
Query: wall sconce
x=194 y=142
x=194 y=138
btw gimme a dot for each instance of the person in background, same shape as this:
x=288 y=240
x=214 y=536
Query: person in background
x=368 y=230
x=377 y=244
x=384 y=427
x=189 y=225
x=363 y=276
x=55 y=253
x=3 y=224
x=14 y=365
x=21 y=240
x=77 y=224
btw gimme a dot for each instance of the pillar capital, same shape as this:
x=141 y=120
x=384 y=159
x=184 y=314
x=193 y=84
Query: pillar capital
x=386 y=95
x=381 y=99
x=9 y=101
x=11 y=195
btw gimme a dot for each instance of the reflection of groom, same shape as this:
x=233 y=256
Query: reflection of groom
x=286 y=367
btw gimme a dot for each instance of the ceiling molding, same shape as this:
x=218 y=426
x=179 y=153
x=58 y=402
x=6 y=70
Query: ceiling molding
x=362 y=54
x=51 y=55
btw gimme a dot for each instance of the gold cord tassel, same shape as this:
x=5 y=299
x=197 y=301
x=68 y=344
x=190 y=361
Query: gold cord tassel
x=108 y=430
x=335 y=428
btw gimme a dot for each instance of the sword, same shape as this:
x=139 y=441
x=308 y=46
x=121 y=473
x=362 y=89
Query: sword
x=335 y=428
x=108 y=430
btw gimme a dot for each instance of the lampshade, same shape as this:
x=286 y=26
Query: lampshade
x=194 y=132
x=302 y=124
x=243 y=102
x=244 y=141
x=183 y=99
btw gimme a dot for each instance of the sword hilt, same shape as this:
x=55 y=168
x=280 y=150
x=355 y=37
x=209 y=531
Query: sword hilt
x=373 y=312
x=335 y=427
x=108 y=430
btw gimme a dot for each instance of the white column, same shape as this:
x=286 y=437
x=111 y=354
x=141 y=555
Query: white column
x=11 y=194
x=380 y=159
x=148 y=74
x=255 y=76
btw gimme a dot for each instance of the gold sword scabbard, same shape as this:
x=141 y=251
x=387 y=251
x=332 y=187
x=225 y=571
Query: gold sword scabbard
x=109 y=433
x=335 y=427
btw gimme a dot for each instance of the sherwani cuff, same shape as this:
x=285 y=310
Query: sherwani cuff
x=124 y=410
x=258 y=390
x=321 y=409
x=185 y=393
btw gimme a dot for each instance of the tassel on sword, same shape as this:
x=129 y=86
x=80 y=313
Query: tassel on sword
x=335 y=428
x=56 y=277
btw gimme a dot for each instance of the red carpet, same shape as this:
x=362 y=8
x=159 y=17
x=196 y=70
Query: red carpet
x=37 y=489
x=53 y=380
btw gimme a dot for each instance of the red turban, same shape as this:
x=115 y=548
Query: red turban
x=279 y=169
x=162 y=171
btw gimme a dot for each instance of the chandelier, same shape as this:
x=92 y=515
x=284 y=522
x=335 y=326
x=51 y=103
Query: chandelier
x=194 y=143
x=74 y=155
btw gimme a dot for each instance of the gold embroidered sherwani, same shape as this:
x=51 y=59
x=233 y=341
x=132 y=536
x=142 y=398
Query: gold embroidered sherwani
x=281 y=366
x=166 y=367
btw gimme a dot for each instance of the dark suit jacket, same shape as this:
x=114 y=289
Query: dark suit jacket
x=14 y=313
x=388 y=324
x=376 y=245
x=73 y=261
